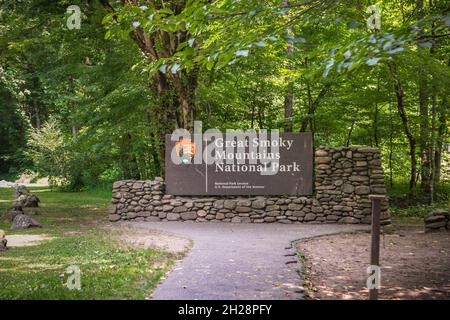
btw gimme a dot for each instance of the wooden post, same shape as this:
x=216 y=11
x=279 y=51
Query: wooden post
x=375 y=243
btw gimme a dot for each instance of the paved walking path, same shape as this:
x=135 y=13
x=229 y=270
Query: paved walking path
x=238 y=261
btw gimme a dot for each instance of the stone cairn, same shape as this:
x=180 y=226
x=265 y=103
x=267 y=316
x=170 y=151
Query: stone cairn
x=3 y=241
x=344 y=179
x=23 y=207
x=437 y=220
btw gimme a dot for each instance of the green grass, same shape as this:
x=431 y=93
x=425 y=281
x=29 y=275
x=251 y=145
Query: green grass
x=108 y=270
x=62 y=210
x=411 y=210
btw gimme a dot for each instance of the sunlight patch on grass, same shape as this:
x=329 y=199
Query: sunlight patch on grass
x=34 y=190
x=109 y=270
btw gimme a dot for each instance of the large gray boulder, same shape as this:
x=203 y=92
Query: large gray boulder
x=437 y=220
x=10 y=214
x=27 y=201
x=22 y=221
x=3 y=241
x=21 y=190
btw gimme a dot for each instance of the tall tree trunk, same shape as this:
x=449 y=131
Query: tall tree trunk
x=34 y=102
x=132 y=161
x=375 y=116
x=433 y=123
x=439 y=114
x=127 y=159
x=424 y=143
x=165 y=114
x=424 y=136
x=288 y=108
x=313 y=106
x=391 y=145
x=442 y=128
x=261 y=116
x=349 y=135
x=289 y=97
x=398 y=88
x=375 y=125
x=432 y=148
x=72 y=107
x=252 y=120
x=175 y=91
x=37 y=114
x=185 y=85
x=154 y=147
x=33 y=108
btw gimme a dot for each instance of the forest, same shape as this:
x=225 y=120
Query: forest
x=89 y=88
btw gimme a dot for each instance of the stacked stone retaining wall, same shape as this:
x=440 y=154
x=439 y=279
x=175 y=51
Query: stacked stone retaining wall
x=344 y=178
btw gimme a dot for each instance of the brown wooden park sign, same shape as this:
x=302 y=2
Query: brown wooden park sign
x=239 y=163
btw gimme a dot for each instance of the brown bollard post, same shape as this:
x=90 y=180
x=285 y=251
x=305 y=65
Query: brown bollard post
x=375 y=233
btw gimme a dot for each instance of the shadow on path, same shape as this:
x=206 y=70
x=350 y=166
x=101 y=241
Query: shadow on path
x=238 y=261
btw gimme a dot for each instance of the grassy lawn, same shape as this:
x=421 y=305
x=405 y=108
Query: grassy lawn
x=109 y=270
x=407 y=211
x=414 y=214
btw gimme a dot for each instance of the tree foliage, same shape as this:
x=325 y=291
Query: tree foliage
x=136 y=70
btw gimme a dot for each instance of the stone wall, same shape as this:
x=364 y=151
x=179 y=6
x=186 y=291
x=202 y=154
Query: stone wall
x=344 y=178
